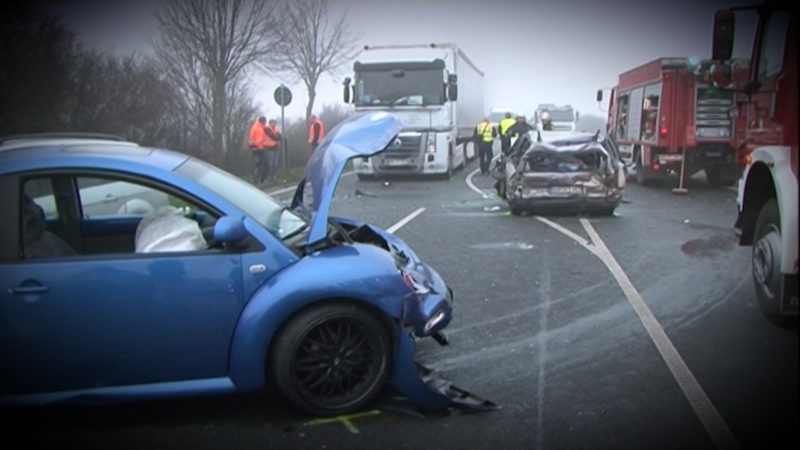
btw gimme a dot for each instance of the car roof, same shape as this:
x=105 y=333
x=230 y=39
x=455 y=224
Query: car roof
x=55 y=150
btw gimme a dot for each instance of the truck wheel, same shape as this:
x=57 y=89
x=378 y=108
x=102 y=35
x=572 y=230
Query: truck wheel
x=640 y=178
x=766 y=262
x=331 y=359
x=449 y=173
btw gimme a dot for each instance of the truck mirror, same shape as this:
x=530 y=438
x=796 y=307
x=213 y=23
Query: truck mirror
x=599 y=95
x=347 y=90
x=724 y=25
x=452 y=87
x=452 y=92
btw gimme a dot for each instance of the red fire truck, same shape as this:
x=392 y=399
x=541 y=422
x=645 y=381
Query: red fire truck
x=767 y=199
x=665 y=110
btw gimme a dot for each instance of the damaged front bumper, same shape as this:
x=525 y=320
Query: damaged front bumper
x=423 y=387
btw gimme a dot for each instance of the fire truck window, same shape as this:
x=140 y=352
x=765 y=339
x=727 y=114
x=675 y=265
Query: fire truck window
x=622 y=115
x=649 y=116
x=772 y=49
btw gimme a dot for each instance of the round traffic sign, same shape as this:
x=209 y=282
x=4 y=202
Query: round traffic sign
x=283 y=96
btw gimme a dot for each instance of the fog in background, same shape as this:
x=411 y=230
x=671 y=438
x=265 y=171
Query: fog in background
x=530 y=51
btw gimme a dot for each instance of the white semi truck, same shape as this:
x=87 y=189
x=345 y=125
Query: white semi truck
x=438 y=94
x=562 y=117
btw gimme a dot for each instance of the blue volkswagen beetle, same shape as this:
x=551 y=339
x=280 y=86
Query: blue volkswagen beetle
x=193 y=281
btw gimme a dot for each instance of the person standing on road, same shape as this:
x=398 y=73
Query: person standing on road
x=316 y=131
x=272 y=146
x=503 y=126
x=258 y=143
x=520 y=127
x=484 y=136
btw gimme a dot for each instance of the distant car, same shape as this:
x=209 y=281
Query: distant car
x=231 y=291
x=556 y=172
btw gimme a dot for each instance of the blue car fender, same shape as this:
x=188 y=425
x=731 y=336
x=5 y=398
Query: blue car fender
x=358 y=272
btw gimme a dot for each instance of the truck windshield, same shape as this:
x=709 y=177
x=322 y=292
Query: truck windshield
x=400 y=87
x=561 y=115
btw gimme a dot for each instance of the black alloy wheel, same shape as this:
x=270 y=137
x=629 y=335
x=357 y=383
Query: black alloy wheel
x=331 y=359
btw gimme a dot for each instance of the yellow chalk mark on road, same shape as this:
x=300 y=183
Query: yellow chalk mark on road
x=344 y=419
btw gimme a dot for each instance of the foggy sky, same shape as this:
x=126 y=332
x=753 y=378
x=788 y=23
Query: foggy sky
x=530 y=51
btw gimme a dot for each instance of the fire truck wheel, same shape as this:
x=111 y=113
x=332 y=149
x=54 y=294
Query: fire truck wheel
x=766 y=262
x=640 y=179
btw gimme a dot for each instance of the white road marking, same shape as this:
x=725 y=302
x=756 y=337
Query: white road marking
x=709 y=416
x=405 y=220
x=472 y=186
x=580 y=240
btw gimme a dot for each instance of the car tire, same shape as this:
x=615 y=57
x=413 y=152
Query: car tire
x=331 y=359
x=609 y=211
x=766 y=262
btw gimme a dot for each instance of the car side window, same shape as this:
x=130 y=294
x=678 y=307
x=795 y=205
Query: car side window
x=153 y=219
x=105 y=196
x=40 y=190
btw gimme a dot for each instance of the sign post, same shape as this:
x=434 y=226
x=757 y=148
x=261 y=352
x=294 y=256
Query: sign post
x=283 y=96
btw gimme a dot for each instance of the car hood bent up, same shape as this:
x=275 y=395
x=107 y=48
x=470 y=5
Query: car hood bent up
x=361 y=135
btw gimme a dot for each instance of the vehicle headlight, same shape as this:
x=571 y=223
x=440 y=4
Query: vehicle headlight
x=434 y=320
x=415 y=285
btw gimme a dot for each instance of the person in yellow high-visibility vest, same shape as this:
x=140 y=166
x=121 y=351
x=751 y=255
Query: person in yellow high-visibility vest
x=503 y=126
x=484 y=136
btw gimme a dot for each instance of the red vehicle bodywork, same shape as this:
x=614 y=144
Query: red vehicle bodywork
x=663 y=108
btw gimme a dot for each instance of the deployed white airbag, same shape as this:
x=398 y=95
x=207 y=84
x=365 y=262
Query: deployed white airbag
x=167 y=230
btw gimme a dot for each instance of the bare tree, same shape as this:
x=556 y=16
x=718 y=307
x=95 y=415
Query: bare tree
x=36 y=51
x=207 y=47
x=310 y=44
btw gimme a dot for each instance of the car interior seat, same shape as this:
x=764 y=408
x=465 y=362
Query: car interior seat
x=37 y=240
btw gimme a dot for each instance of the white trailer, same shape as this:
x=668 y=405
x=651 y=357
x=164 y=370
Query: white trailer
x=438 y=94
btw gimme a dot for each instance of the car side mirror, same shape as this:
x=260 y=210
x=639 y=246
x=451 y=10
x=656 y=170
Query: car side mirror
x=229 y=229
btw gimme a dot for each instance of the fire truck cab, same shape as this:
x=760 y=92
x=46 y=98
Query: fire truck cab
x=767 y=195
x=663 y=111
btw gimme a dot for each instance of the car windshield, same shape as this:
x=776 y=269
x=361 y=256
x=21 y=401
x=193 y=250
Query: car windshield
x=256 y=203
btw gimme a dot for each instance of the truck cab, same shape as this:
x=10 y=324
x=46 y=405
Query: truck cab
x=767 y=218
x=420 y=85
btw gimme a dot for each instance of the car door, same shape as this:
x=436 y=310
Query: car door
x=102 y=319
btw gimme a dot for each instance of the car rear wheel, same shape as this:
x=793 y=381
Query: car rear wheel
x=515 y=209
x=766 y=262
x=331 y=359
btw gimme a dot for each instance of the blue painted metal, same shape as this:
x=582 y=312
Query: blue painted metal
x=117 y=326
x=363 y=134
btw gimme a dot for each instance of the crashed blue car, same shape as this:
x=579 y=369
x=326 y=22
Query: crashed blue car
x=182 y=279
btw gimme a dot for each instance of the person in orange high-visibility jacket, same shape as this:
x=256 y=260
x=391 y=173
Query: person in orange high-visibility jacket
x=316 y=131
x=272 y=147
x=258 y=143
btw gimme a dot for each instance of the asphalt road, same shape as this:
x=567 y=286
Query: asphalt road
x=634 y=331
